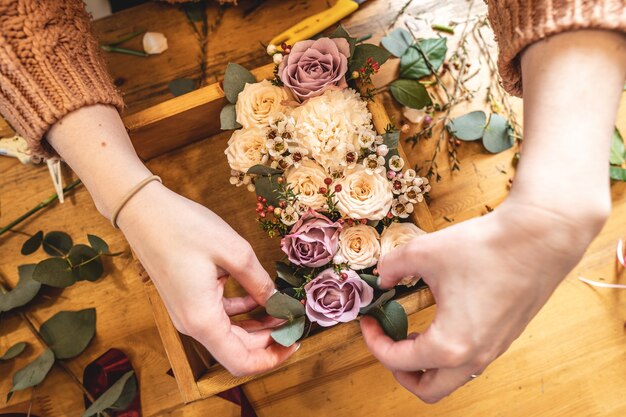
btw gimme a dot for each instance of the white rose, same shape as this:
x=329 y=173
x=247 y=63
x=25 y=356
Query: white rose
x=306 y=181
x=359 y=246
x=246 y=148
x=398 y=234
x=330 y=126
x=154 y=43
x=363 y=195
x=258 y=102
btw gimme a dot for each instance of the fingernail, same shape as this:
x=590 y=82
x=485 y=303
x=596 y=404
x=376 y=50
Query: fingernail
x=297 y=347
x=274 y=292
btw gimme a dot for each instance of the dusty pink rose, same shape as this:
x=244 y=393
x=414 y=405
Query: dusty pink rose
x=331 y=299
x=313 y=67
x=313 y=240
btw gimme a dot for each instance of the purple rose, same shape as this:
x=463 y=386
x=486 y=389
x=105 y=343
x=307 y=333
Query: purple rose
x=313 y=67
x=313 y=240
x=331 y=299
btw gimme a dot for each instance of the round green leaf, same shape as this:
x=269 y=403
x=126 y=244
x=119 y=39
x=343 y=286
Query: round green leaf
x=32 y=243
x=378 y=302
x=57 y=243
x=283 y=306
x=497 y=136
x=235 y=79
x=414 y=66
x=371 y=280
x=393 y=319
x=55 y=272
x=289 y=333
x=181 y=86
x=397 y=42
x=266 y=186
x=228 y=118
x=69 y=332
x=617 y=173
x=14 y=351
x=410 y=93
x=118 y=397
x=98 y=244
x=33 y=373
x=25 y=290
x=468 y=127
x=86 y=264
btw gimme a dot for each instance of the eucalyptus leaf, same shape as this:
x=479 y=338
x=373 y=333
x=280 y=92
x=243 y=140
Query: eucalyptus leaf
x=391 y=139
x=363 y=52
x=263 y=170
x=69 y=332
x=33 y=373
x=32 y=243
x=235 y=80
x=496 y=137
x=25 y=290
x=397 y=42
x=283 y=306
x=410 y=93
x=98 y=244
x=181 y=86
x=289 y=333
x=228 y=118
x=86 y=264
x=288 y=274
x=266 y=186
x=14 y=351
x=618 y=153
x=116 y=397
x=57 y=243
x=413 y=65
x=468 y=127
x=371 y=280
x=617 y=173
x=341 y=32
x=392 y=319
x=378 y=302
x=54 y=272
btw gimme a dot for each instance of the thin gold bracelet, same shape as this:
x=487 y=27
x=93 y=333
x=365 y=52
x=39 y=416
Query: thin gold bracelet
x=130 y=195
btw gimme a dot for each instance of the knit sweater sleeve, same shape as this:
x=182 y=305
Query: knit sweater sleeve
x=50 y=65
x=519 y=23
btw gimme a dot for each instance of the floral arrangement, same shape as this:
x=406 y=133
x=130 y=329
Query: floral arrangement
x=332 y=188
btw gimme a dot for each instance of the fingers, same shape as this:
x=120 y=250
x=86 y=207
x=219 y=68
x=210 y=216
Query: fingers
x=433 y=385
x=404 y=261
x=411 y=354
x=239 y=305
x=254 y=325
x=247 y=270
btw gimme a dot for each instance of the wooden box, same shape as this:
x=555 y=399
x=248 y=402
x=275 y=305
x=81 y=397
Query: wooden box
x=193 y=117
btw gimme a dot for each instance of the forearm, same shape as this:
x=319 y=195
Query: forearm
x=572 y=85
x=94 y=142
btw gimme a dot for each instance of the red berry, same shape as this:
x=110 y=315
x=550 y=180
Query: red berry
x=259 y=198
x=259 y=206
x=282 y=203
x=338 y=188
x=323 y=190
x=280 y=180
x=389 y=215
x=350 y=222
x=262 y=215
x=264 y=200
x=270 y=209
x=328 y=181
x=344 y=276
x=363 y=221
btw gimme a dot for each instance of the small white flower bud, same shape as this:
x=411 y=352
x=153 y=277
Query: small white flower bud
x=278 y=58
x=271 y=49
x=154 y=43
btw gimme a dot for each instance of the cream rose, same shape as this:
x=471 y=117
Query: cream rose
x=306 y=181
x=398 y=234
x=246 y=148
x=363 y=195
x=330 y=126
x=359 y=246
x=258 y=102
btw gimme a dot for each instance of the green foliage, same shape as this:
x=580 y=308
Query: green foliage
x=25 y=290
x=363 y=52
x=228 y=118
x=288 y=274
x=378 y=302
x=181 y=86
x=371 y=280
x=266 y=186
x=98 y=244
x=391 y=139
x=418 y=59
x=289 y=333
x=283 y=306
x=33 y=373
x=392 y=319
x=54 y=272
x=57 y=243
x=397 y=42
x=617 y=173
x=410 y=93
x=497 y=137
x=68 y=333
x=32 y=244
x=235 y=80
x=14 y=351
x=117 y=398
x=263 y=170
x=617 y=158
x=341 y=32
x=194 y=10
x=468 y=127
x=86 y=263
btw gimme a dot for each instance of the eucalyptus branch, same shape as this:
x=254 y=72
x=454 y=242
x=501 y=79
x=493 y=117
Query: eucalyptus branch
x=38 y=207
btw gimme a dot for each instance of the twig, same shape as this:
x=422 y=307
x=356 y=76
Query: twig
x=400 y=13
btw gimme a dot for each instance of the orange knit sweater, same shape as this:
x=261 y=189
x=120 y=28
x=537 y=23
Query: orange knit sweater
x=50 y=63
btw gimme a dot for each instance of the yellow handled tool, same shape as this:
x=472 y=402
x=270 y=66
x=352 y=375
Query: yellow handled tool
x=317 y=23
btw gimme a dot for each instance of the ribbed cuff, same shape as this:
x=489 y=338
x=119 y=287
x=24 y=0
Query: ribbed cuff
x=520 y=23
x=50 y=65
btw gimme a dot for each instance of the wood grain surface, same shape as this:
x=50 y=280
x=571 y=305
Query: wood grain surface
x=571 y=361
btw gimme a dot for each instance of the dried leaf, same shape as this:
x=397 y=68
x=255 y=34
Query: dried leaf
x=289 y=333
x=25 y=290
x=118 y=397
x=32 y=243
x=69 y=332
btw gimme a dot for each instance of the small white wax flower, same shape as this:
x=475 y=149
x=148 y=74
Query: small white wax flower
x=271 y=49
x=278 y=58
x=382 y=150
x=154 y=43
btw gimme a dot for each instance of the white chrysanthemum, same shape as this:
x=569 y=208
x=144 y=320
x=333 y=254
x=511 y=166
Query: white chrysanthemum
x=306 y=180
x=359 y=246
x=246 y=148
x=363 y=195
x=398 y=234
x=332 y=125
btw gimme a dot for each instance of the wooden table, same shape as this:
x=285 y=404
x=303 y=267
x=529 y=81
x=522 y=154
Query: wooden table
x=571 y=361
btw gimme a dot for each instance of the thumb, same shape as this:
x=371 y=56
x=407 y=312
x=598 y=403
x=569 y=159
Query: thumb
x=404 y=261
x=246 y=269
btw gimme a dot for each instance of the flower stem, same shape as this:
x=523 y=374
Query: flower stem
x=443 y=28
x=38 y=207
x=119 y=50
